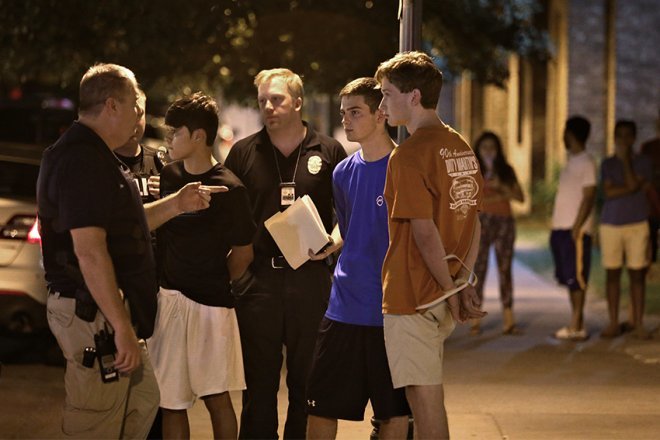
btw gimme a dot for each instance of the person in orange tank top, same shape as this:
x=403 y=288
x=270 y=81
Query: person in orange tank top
x=498 y=227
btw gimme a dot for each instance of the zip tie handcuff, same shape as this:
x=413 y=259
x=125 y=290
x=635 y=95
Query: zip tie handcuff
x=463 y=283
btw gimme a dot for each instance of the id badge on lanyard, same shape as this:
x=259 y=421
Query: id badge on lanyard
x=287 y=194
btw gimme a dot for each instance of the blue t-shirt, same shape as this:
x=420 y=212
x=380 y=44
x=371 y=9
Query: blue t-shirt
x=357 y=290
x=631 y=208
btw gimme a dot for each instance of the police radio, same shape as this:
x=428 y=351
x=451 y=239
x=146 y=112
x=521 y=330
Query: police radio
x=104 y=352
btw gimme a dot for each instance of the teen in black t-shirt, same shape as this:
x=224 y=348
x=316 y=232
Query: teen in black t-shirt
x=194 y=246
x=196 y=347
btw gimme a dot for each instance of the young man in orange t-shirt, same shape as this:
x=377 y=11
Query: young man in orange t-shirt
x=433 y=191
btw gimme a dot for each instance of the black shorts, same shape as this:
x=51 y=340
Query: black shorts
x=350 y=368
x=572 y=263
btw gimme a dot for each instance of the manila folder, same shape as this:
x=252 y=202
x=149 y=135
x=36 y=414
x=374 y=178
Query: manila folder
x=298 y=229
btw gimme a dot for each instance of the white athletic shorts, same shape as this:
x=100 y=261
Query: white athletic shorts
x=195 y=350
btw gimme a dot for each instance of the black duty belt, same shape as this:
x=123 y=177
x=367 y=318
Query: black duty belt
x=276 y=263
x=279 y=262
x=62 y=293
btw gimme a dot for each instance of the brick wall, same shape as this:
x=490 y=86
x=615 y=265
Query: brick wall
x=586 y=71
x=638 y=64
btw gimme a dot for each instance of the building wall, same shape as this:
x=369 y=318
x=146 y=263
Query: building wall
x=638 y=64
x=635 y=81
x=496 y=116
x=605 y=65
x=539 y=120
x=505 y=111
x=556 y=97
x=446 y=104
x=586 y=71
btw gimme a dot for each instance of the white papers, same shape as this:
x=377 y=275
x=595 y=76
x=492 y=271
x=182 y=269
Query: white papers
x=298 y=229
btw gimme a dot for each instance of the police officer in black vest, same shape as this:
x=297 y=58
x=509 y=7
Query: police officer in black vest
x=285 y=160
x=144 y=161
x=99 y=262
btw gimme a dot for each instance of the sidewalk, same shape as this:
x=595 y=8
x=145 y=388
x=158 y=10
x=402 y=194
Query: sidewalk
x=524 y=387
x=535 y=387
x=532 y=386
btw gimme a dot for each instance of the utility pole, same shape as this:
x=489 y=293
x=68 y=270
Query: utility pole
x=410 y=37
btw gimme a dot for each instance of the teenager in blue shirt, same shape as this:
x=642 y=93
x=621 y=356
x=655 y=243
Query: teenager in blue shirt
x=624 y=232
x=350 y=364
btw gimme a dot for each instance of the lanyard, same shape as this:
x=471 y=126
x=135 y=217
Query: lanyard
x=287 y=189
x=295 y=170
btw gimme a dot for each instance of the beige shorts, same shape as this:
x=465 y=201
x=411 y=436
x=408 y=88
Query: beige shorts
x=195 y=350
x=627 y=241
x=415 y=345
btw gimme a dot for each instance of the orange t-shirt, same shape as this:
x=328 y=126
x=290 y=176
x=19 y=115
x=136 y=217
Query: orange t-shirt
x=435 y=175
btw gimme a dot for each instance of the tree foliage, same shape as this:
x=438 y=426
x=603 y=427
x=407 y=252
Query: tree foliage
x=171 y=44
x=478 y=35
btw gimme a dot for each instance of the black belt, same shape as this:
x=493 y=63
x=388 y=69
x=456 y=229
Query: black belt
x=276 y=263
x=279 y=262
x=62 y=293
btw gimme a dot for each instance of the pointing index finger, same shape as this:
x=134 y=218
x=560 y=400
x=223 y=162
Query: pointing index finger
x=214 y=188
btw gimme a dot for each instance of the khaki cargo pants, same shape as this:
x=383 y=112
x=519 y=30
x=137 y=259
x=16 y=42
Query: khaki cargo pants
x=93 y=409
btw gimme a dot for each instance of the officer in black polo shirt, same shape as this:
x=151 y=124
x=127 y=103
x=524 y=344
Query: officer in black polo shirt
x=95 y=241
x=285 y=160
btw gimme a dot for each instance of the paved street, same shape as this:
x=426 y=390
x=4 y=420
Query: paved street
x=498 y=387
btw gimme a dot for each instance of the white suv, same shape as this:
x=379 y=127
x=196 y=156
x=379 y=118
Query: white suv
x=28 y=124
x=22 y=284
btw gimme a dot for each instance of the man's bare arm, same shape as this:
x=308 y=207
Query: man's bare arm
x=192 y=197
x=90 y=246
x=631 y=182
x=465 y=304
x=587 y=204
x=473 y=252
x=470 y=306
x=430 y=246
x=336 y=243
x=613 y=191
x=239 y=260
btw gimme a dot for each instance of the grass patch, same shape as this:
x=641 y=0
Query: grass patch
x=533 y=249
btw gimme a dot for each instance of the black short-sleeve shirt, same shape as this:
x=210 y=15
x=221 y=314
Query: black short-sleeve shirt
x=193 y=247
x=83 y=184
x=252 y=159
